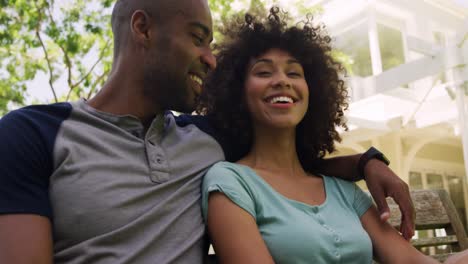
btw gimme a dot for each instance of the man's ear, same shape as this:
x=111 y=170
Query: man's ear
x=140 y=26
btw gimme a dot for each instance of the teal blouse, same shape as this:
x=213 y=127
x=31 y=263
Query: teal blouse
x=295 y=232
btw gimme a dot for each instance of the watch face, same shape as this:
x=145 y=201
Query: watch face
x=375 y=153
x=385 y=159
x=371 y=153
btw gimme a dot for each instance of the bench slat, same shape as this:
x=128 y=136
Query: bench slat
x=430 y=211
x=434 y=241
x=442 y=257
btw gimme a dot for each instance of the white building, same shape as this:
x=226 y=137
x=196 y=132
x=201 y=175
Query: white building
x=409 y=86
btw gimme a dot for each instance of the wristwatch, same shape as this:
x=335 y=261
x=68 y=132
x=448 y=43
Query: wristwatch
x=371 y=153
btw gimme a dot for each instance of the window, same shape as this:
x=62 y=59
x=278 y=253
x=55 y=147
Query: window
x=415 y=180
x=352 y=49
x=391 y=46
x=434 y=181
x=455 y=185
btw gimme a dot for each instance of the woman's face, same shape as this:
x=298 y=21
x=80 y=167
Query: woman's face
x=276 y=92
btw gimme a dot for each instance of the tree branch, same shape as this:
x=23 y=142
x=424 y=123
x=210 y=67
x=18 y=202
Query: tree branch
x=91 y=70
x=99 y=79
x=49 y=64
x=65 y=53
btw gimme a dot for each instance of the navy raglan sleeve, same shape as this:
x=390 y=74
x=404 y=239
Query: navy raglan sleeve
x=27 y=136
x=205 y=124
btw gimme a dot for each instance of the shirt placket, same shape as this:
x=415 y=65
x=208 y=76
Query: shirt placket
x=335 y=237
x=157 y=158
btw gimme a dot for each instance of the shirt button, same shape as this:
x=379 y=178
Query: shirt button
x=337 y=254
x=158 y=160
x=337 y=239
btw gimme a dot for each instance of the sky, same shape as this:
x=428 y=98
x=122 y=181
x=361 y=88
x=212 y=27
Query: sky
x=463 y=3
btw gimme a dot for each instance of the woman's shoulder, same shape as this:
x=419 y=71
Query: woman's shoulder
x=225 y=166
x=224 y=170
x=338 y=183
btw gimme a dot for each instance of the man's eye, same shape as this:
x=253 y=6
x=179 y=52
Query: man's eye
x=198 y=39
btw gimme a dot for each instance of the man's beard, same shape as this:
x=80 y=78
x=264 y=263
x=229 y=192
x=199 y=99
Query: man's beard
x=166 y=86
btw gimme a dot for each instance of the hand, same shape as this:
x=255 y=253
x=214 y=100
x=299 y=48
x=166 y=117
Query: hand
x=383 y=182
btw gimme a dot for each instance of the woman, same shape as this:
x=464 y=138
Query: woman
x=278 y=88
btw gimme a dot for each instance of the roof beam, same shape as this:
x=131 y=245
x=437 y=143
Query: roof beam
x=454 y=56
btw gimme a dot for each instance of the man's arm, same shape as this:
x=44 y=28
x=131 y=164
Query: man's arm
x=25 y=239
x=344 y=167
x=381 y=181
x=26 y=139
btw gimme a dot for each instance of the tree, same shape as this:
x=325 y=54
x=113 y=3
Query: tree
x=224 y=9
x=70 y=41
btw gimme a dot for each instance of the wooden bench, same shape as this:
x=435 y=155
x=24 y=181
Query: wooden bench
x=434 y=210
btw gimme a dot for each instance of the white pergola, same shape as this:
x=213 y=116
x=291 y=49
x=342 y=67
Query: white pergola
x=384 y=102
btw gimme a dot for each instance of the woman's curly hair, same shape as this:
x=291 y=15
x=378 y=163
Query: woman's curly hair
x=223 y=97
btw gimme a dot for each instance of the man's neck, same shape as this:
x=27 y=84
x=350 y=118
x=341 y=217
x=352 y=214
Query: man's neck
x=121 y=96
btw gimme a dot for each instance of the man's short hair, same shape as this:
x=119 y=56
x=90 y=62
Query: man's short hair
x=159 y=10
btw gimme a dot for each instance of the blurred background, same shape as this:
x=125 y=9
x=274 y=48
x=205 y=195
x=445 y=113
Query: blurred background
x=406 y=62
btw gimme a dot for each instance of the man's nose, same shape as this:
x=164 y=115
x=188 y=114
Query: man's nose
x=209 y=59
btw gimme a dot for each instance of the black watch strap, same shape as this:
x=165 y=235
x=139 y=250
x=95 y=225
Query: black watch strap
x=371 y=153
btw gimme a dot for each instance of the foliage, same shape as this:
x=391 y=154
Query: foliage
x=69 y=40
x=224 y=9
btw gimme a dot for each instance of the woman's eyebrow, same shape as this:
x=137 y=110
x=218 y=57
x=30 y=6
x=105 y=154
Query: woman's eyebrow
x=292 y=61
x=268 y=61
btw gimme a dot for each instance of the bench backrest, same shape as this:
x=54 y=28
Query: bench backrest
x=434 y=210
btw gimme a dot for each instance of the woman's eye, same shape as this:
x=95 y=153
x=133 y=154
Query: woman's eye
x=294 y=74
x=263 y=73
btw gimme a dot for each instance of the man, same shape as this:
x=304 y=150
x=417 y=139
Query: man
x=116 y=179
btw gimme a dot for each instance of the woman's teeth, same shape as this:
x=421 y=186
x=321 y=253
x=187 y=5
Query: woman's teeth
x=281 y=99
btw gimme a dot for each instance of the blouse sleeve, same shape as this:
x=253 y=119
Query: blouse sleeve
x=362 y=201
x=229 y=181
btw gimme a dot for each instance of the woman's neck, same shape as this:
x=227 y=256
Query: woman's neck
x=274 y=150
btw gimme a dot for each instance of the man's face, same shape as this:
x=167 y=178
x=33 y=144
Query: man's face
x=180 y=57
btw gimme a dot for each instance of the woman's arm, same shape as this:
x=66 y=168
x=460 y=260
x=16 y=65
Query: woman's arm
x=458 y=258
x=234 y=233
x=388 y=245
